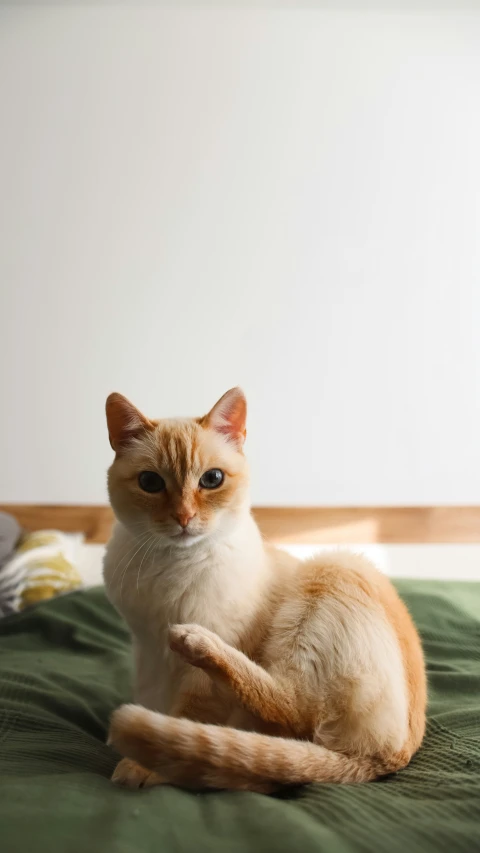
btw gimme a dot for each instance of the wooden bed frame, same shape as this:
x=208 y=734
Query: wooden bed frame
x=308 y=525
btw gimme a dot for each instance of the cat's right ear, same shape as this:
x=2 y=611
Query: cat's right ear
x=124 y=421
x=228 y=417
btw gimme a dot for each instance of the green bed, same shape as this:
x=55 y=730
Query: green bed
x=65 y=665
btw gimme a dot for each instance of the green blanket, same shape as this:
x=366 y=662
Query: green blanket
x=65 y=665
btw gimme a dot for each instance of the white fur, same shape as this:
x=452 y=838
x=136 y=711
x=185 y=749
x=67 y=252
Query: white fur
x=218 y=582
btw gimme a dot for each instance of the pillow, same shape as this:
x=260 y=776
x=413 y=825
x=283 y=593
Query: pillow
x=9 y=535
x=44 y=565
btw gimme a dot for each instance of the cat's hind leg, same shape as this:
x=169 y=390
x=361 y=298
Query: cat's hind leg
x=261 y=694
x=130 y=774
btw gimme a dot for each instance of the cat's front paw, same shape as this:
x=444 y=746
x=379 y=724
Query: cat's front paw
x=129 y=774
x=195 y=644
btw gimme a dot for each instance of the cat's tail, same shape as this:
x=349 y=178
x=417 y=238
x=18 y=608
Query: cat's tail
x=196 y=755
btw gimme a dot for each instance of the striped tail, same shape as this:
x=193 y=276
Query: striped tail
x=195 y=755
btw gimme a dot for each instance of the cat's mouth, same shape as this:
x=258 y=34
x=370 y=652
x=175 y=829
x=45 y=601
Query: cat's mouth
x=187 y=537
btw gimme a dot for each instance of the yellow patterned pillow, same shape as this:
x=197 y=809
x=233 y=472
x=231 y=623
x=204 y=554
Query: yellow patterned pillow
x=44 y=564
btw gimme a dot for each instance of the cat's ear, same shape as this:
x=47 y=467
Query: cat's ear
x=124 y=421
x=229 y=417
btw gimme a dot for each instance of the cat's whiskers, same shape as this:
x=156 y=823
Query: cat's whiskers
x=148 y=551
x=144 y=544
x=129 y=551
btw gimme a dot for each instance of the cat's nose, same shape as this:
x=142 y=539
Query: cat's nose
x=183 y=517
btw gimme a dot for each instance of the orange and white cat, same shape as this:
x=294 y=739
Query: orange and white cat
x=252 y=670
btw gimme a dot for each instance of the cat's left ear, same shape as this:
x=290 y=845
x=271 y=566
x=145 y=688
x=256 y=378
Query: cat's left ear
x=124 y=421
x=229 y=417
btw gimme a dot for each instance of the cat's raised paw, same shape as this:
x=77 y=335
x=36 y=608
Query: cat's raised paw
x=195 y=644
x=129 y=774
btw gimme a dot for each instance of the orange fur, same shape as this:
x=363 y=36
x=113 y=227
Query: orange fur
x=314 y=670
x=175 y=449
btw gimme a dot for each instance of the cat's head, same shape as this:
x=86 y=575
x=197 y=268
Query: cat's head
x=181 y=480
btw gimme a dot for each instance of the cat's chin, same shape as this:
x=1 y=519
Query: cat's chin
x=186 y=540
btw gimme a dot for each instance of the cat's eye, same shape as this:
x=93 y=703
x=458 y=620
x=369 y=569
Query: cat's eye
x=212 y=479
x=151 y=482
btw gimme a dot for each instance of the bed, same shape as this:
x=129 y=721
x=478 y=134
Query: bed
x=65 y=665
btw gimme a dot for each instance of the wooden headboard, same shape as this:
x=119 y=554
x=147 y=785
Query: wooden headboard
x=309 y=525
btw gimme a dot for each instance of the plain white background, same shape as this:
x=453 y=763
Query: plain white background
x=288 y=200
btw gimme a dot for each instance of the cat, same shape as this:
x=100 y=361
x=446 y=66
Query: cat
x=252 y=670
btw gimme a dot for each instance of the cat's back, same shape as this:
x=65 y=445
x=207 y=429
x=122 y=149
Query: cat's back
x=344 y=627
x=387 y=626
x=350 y=582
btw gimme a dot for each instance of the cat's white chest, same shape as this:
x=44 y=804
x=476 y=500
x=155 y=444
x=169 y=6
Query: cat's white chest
x=158 y=671
x=149 y=610
x=218 y=588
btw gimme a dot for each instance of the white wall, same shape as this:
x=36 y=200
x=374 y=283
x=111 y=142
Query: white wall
x=287 y=200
